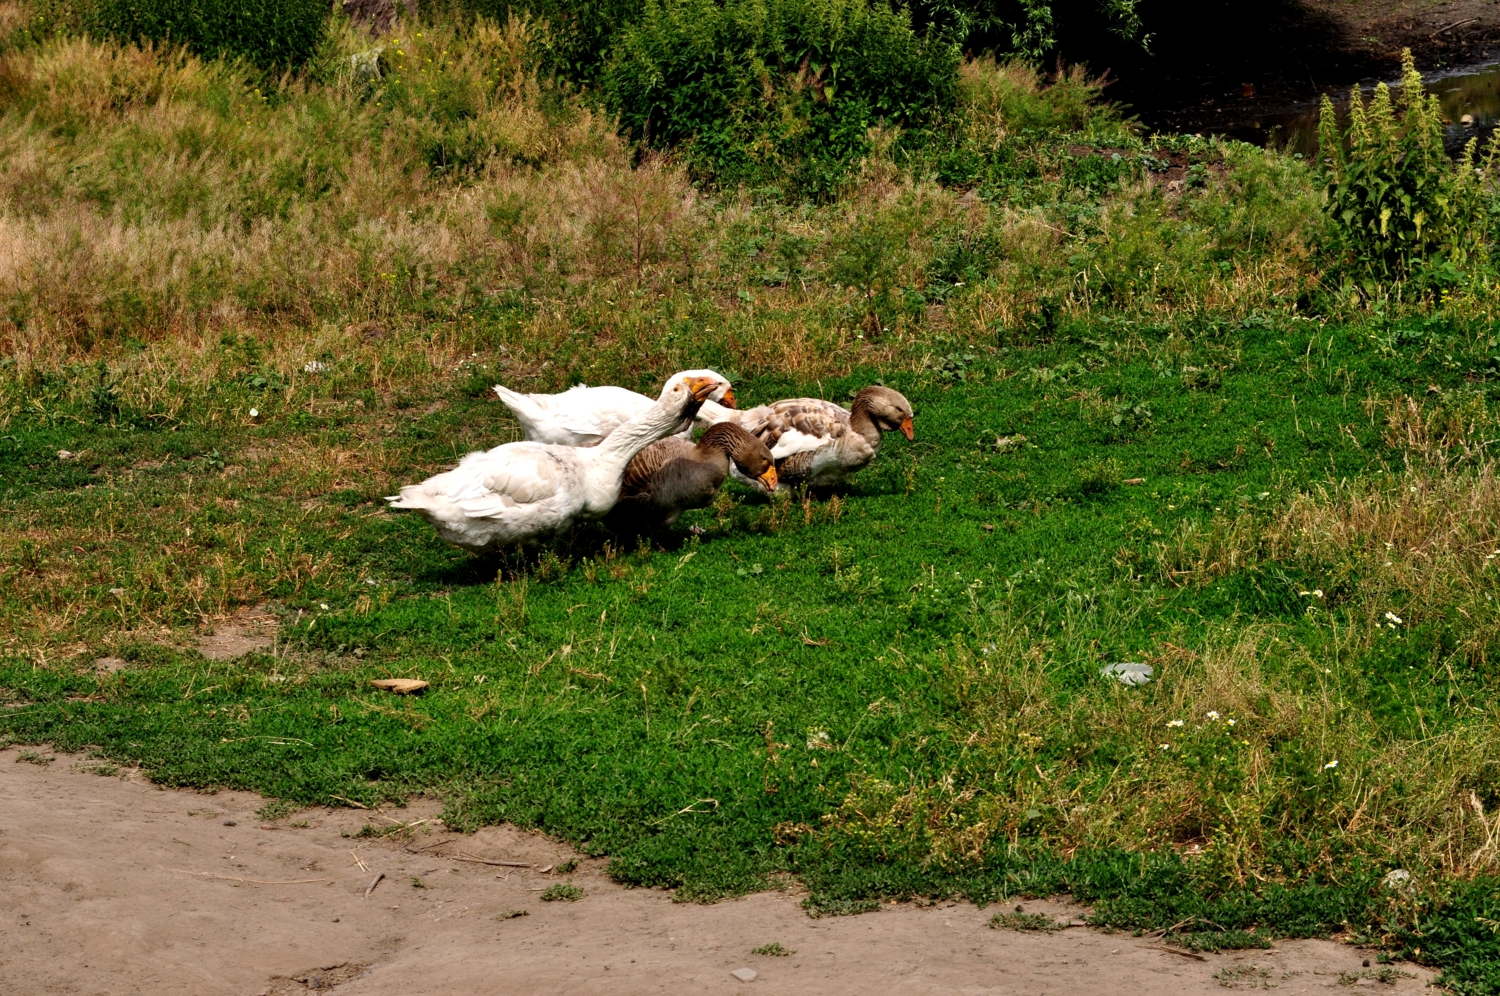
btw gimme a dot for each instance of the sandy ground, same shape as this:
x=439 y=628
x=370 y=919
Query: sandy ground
x=109 y=884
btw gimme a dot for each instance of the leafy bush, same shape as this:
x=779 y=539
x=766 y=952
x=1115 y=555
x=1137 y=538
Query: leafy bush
x=761 y=90
x=269 y=33
x=1400 y=208
x=1027 y=28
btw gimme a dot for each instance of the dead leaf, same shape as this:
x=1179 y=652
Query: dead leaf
x=401 y=686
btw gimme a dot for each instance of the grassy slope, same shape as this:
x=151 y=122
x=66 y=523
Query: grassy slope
x=659 y=705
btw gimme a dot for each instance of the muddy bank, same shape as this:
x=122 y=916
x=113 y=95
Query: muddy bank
x=1231 y=67
x=109 y=884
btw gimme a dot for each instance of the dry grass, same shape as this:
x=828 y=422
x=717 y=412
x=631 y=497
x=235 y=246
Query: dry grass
x=156 y=205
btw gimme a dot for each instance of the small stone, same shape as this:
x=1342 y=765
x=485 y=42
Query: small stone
x=1128 y=672
x=745 y=974
x=229 y=823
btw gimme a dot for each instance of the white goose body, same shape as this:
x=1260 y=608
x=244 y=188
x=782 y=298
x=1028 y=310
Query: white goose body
x=584 y=416
x=524 y=492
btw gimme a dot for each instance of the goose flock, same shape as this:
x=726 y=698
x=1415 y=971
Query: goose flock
x=592 y=451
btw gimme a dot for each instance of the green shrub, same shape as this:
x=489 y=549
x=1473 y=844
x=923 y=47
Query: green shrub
x=269 y=33
x=776 y=91
x=1027 y=28
x=1401 y=209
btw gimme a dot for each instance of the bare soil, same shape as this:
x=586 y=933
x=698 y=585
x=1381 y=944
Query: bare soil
x=111 y=885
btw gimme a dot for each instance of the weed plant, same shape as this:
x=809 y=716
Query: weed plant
x=1402 y=212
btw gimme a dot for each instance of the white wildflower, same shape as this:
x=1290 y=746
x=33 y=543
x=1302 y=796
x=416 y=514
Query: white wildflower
x=1229 y=721
x=255 y=413
x=1175 y=722
x=323 y=606
x=313 y=367
x=1213 y=716
x=1330 y=765
x=1166 y=746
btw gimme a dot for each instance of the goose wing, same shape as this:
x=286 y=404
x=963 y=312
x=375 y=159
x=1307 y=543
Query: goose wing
x=797 y=425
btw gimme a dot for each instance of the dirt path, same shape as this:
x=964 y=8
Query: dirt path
x=109 y=884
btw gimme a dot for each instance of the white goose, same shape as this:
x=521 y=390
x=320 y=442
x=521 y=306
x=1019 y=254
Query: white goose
x=817 y=442
x=582 y=416
x=521 y=492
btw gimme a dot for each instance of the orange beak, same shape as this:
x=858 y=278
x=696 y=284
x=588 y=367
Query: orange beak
x=906 y=429
x=768 y=479
x=728 y=400
x=702 y=387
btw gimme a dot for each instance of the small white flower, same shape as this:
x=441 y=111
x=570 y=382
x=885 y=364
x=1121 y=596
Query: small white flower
x=313 y=366
x=1330 y=765
x=1317 y=592
x=1229 y=721
x=1166 y=746
x=1175 y=722
x=255 y=413
x=323 y=606
x=1393 y=618
x=1387 y=563
x=1213 y=716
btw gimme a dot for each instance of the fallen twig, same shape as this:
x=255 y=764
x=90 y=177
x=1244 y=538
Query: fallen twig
x=1185 y=954
x=1455 y=24
x=487 y=861
x=356 y=805
x=252 y=881
x=373 y=883
x=359 y=861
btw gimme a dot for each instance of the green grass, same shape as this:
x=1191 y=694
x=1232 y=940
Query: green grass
x=824 y=686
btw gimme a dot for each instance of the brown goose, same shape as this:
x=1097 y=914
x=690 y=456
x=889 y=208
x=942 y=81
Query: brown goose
x=672 y=474
x=817 y=442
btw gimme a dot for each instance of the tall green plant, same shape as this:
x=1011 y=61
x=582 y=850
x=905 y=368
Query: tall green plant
x=769 y=90
x=1400 y=207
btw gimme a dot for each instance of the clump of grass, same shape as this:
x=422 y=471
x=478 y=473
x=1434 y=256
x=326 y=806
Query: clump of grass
x=821 y=906
x=277 y=809
x=1244 y=977
x=34 y=757
x=565 y=867
x=512 y=914
x=773 y=950
x=103 y=768
x=1221 y=940
x=417 y=883
x=565 y=892
x=1385 y=975
x=1024 y=921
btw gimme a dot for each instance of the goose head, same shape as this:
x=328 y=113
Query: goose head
x=750 y=456
x=722 y=392
x=887 y=409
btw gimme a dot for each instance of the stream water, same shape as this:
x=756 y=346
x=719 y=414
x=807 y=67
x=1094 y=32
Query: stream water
x=1470 y=99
